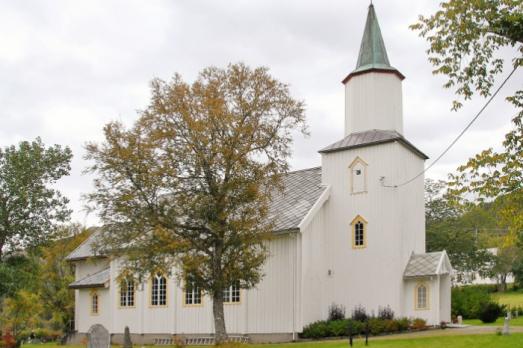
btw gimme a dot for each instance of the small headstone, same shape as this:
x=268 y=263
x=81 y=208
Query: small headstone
x=98 y=337
x=460 y=320
x=127 y=343
x=506 y=325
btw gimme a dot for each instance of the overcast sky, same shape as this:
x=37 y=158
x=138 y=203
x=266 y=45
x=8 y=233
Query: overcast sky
x=69 y=67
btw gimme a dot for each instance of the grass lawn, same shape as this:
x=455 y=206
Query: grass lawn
x=490 y=340
x=509 y=298
x=499 y=322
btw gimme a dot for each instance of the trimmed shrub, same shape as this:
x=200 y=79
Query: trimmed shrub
x=317 y=329
x=403 y=324
x=359 y=313
x=336 y=312
x=491 y=312
x=385 y=313
x=356 y=326
x=391 y=325
x=419 y=324
x=468 y=301
x=337 y=328
x=376 y=326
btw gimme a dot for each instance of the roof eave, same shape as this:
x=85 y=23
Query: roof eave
x=83 y=258
x=378 y=70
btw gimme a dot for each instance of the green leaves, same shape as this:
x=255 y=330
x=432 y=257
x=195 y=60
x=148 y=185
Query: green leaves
x=29 y=208
x=466 y=38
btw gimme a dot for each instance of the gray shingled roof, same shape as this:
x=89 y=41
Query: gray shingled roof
x=302 y=189
x=85 y=249
x=288 y=207
x=420 y=265
x=368 y=138
x=97 y=280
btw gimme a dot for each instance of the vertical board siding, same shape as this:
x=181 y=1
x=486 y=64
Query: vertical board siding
x=265 y=309
x=373 y=101
x=372 y=276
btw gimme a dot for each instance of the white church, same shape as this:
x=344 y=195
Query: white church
x=346 y=234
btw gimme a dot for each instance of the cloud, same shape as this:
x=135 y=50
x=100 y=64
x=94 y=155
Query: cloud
x=69 y=67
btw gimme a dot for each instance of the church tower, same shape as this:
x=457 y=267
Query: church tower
x=373 y=223
x=373 y=94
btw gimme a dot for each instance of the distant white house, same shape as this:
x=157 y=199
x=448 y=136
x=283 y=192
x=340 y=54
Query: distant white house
x=476 y=278
x=344 y=234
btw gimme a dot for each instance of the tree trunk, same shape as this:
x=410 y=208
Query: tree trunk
x=220 y=333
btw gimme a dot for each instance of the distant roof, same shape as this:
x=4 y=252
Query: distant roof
x=301 y=190
x=426 y=264
x=373 y=54
x=371 y=137
x=96 y=280
x=86 y=249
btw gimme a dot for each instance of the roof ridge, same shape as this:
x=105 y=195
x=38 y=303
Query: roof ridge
x=303 y=170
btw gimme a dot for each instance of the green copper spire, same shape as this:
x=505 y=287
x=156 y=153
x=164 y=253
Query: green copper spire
x=372 y=50
x=373 y=55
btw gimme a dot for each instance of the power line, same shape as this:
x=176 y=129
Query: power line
x=460 y=134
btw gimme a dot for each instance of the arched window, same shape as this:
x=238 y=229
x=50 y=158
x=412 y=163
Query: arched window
x=359 y=232
x=158 y=290
x=127 y=293
x=422 y=296
x=94 y=302
x=358 y=176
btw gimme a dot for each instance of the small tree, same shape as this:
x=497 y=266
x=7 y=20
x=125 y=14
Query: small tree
x=30 y=210
x=190 y=184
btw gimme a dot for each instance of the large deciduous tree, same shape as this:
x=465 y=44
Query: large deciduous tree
x=189 y=185
x=30 y=209
x=468 y=42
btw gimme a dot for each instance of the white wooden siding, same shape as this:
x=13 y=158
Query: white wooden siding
x=373 y=101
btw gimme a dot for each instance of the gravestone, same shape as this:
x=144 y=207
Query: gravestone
x=98 y=337
x=506 y=325
x=127 y=343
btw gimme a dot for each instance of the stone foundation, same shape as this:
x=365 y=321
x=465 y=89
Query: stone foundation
x=80 y=338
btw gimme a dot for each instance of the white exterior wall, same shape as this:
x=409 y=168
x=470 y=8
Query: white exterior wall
x=372 y=276
x=314 y=303
x=82 y=299
x=445 y=298
x=373 y=101
x=431 y=315
x=270 y=308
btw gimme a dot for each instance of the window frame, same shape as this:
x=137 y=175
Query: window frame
x=121 y=295
x=232 y=293
x=93 y=296
x=190 y=291
x=354 y=223
x=157 y=276
x=365 y=166
x=417 y=297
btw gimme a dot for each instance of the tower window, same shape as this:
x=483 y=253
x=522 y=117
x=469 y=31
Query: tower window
x=359 y=232
x=358 y=176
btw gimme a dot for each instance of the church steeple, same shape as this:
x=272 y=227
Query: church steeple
x=373 y=54
x=373 y=97
x=372 y=50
